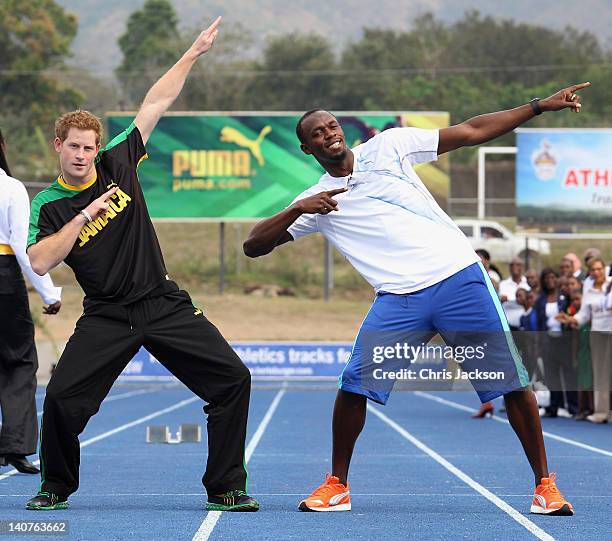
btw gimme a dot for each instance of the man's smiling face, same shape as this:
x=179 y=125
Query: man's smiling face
x=324 y=138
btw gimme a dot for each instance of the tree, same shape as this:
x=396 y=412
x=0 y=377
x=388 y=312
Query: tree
x=295 y=74
x=35 y=38
x=150 y=45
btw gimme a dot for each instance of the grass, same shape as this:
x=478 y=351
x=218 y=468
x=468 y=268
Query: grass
x=239 y=317
x=191 y=252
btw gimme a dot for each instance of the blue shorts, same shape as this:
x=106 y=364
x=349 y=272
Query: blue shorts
x=465 y=310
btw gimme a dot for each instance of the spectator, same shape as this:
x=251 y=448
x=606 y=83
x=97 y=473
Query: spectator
x=533 y=281
x=507 y=293
x=528 y=326
x=588 y=255
x=575 y=284
x=583 y=358
x=594 y=309
x=555 y=346
x=493 y=272
x=523 y=336
x=578 y=272
x=564 y=289
x=18 y=358
x=566 y=267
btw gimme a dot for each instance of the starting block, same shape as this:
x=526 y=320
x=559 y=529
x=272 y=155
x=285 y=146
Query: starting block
x=187 y=433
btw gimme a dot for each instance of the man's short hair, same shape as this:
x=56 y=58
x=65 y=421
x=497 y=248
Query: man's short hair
x=298 y=128
x=484 y=253
x=82 y=120
x=591 y=252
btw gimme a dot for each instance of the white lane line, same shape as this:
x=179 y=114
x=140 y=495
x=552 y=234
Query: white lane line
x=117 y=397
x=547 y=434
x=212 y=517
x=129 y=394
x=121 y=428
x=513 y=513
x=301 y=495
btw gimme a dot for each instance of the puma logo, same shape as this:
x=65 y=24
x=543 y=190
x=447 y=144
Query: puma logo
x=112 y=184
x=232 y=135
x=337 y=498
x=198 y=312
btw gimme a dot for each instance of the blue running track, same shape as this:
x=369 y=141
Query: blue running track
x=423 y=469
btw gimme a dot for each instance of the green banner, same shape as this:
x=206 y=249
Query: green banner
x=249 y=165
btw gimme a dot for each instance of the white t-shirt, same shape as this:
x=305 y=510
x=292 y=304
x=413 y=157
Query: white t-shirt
x=508 y=287
x=14 y=220
x=552 y=311
x=513 y=310
x=389 y=226
x=596 y=308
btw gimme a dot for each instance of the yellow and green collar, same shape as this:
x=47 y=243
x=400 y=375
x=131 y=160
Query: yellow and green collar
x=64 y=184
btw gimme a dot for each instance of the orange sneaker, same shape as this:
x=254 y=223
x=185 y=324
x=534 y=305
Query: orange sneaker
x=547 y=500
x=330 y=496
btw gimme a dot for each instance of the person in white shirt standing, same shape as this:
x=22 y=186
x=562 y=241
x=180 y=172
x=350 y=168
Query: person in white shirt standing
x=507 y=293
x=18 y=358
x=426 y=275
x=596 y=308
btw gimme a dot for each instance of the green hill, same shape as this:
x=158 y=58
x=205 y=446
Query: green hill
x=101 y=23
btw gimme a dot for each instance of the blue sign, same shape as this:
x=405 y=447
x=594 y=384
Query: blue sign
x=286 y=360
x=564 y=179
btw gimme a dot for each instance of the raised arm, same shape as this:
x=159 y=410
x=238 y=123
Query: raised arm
x=483 y=128
x=163 y=93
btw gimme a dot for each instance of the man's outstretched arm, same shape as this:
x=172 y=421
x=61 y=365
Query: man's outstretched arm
x=272 y=232
x=163 y=93
x=483 y=128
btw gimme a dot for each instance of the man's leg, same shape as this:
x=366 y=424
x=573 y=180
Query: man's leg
x=348 y=422
x=469 y=314
x=18 y=366
x=392 y=320
x=193 y=349
x=522 y=411
x=100 y=348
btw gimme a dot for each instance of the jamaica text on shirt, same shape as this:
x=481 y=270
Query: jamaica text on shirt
x=117 y=202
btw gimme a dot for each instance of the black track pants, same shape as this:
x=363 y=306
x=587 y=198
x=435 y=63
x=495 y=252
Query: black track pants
x=106 y=337
x=18 y=363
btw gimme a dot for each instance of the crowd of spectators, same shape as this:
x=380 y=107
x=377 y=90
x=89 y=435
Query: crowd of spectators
x=561 y=321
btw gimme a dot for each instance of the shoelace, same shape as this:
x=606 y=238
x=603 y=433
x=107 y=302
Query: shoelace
x=324 y=489
x=552 y=486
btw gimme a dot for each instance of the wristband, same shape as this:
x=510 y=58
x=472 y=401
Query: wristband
x=535 y=105
x=86 y=214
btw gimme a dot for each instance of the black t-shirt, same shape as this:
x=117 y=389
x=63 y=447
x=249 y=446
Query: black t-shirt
x=116 y=257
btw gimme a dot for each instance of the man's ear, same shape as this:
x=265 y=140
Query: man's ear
x=57 y=144
x=305 y=149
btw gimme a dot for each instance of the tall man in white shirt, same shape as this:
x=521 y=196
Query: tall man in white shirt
x=373 y=207
x=18 y=359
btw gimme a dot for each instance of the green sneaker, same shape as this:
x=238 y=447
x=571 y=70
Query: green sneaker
x=46 y=501
x=234 y=500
